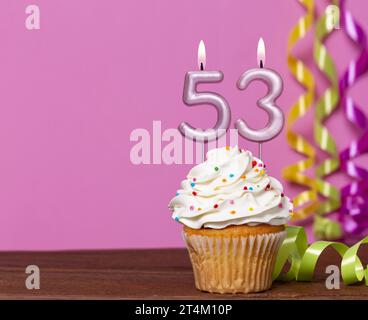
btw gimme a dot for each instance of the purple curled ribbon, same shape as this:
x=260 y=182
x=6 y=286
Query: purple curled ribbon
x=353 y=213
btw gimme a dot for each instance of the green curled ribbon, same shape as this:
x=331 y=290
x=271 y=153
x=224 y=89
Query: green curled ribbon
x=303 y=258
x=325 y=106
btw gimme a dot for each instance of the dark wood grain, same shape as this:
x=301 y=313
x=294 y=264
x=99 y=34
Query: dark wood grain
x=141 y=274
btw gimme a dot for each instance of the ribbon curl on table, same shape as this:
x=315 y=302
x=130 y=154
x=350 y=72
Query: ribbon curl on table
x=353 y=213
x=326 y=104
x=306 y=202
x=303 y=259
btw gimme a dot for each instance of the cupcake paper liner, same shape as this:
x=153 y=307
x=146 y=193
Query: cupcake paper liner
x=241 y=264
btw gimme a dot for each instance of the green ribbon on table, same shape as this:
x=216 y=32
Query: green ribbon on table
x=303 y=258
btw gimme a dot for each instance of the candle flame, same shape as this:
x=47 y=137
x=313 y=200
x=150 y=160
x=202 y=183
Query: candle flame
x=261 y=53
x=201 y=56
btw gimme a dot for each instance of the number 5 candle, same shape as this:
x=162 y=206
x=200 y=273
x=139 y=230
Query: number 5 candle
x=192 y=97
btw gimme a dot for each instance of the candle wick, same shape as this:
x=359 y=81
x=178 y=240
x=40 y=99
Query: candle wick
x=202 y=66
x=261 y=64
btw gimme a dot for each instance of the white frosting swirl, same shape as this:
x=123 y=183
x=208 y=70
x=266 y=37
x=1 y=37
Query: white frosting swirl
x=230 y=188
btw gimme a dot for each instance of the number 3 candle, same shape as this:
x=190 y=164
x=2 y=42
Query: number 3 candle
x=193 y=98
x=275 y=115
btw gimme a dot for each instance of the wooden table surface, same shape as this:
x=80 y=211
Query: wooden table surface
x=141 y=274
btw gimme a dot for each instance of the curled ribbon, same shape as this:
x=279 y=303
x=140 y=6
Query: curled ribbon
x=353 y=213
x=326 y=104
x=306 y=202
x=303 y=259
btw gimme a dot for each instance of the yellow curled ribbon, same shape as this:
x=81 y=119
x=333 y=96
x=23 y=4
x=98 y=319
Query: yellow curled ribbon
x=326 y=104
x=306 y=202
x=303 y=259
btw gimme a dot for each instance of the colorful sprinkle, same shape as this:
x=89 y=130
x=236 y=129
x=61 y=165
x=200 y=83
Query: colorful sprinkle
x=176 y=218
x=231 y=175
x=231 y=201
x=232 y=211
x=177 y=193
x=244 y=176
x=192 y=184
x=282 y=195
x=256 y=170
x=224 y=180
x=254 y=163
x=245 y=188
x=216 y=168
x=191 y=208
x=199 y=209
x=227 y=148
x=194 y=193
x=280 y=205
x=260 y=165
x=250 y=188
x=262 y=172
x=250 y=209
x=215 y=206
x=194 y=179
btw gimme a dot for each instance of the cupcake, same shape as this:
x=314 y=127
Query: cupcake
x=233 y=217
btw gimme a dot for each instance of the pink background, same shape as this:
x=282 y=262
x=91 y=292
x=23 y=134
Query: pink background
x=72 y=92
